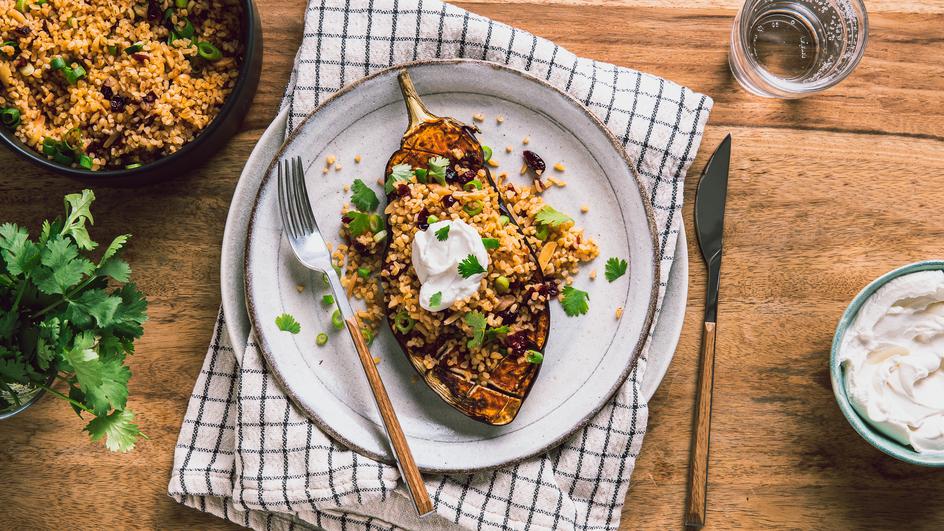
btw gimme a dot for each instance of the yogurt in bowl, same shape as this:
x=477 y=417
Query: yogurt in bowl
x=886 y=363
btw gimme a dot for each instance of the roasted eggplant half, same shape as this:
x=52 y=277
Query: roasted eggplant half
x=483 y=353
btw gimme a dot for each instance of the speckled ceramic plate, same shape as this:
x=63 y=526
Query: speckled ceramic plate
x=586 y=359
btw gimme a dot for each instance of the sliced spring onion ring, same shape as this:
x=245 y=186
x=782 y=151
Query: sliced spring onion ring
x=474 y=208
x=336 y=321
x=133 y=166
x=208 y=51
x=474 y=184
x=85 y=161
x=486 y=153
x=327 y=300
x=10 y=116
x=136 y=47
x=403 y=322
x=363 y=272
x=57 y=63
x=322 y=339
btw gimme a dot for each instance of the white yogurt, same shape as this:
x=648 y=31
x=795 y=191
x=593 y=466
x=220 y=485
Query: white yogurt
x=437 y=263
x=891 y=357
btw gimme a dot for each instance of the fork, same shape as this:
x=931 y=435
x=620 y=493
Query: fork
x=311 y=250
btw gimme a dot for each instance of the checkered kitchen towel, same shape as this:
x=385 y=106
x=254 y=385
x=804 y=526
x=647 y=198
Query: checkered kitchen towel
x=245 y=452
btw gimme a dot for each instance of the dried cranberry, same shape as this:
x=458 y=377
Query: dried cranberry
x=140 y=57
x=150 y=97
x=107 y=92
x=448 y=201
x=451 y=175
x=23 y=30
x=518 y=343
x=118 y=103
x=422 y=219
x=534 y=162
x=550 y=288
x=346 y=219
x=359 y=247
x=463 y=177
x=403 y=190
x=472 y=160
x=154 y=11
x=19 y=63
x=508 y=317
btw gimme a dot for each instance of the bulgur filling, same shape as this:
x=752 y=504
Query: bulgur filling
x=103 y=84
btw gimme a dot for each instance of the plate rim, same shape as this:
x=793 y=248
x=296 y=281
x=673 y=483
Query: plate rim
x=266 y=351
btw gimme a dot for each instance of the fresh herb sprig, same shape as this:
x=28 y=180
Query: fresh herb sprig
x=470 y=266
x=615 y=268
x=71 y=319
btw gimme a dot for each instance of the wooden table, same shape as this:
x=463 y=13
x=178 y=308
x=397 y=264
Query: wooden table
x=825 y=194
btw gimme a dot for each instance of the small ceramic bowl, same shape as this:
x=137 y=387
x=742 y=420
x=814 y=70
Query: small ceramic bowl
x=873 y=436
x=198 y=150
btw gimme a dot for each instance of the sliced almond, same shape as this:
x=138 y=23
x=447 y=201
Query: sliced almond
x=452 y=318
x=546 y=253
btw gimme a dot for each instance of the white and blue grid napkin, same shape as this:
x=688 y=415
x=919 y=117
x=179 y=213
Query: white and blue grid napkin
x=245 y=453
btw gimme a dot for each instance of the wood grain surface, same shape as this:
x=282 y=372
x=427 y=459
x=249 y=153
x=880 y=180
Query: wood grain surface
x=824 y=195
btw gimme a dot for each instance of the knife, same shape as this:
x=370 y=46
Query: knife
x=709 y=225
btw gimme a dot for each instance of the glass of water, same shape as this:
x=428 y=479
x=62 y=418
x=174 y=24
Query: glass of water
x=794 y=48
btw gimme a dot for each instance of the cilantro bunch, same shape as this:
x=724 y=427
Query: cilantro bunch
x=69 y=318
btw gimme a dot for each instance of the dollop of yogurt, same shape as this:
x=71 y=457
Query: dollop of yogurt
x=437 y=262
x=892 y=357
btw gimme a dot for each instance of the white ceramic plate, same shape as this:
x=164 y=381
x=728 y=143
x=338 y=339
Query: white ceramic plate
x=668 y=322
x=586 y=359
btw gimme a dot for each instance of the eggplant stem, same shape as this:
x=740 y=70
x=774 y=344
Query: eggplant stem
x=417 y=111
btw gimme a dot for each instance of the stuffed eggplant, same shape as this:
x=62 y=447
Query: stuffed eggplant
x=464 y=293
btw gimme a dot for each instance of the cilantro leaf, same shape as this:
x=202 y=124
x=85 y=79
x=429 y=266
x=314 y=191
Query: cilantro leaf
x=575 y=301
x=113 y=390
x=400 y=172
x=437 y=169
x=442 y=233
x=476 y=322
x=435 y=300
x=77 y=213
x=20 y=254
x=287 y=323
x=118 y=429
x=549 y=217
x=115 y=268
x=47 y=342
x=470 y=266
x=63 y=269
x=113 y=248
x=84 y=361
x=615 y=268
x=13 y=371
x=130 y=314
x=94 y=304
x=493 y=333
x=490 y=243
x=360 y=222
x=363 y=197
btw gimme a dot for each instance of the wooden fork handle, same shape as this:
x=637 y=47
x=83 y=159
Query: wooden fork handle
x=698 y=459
x=404 y=457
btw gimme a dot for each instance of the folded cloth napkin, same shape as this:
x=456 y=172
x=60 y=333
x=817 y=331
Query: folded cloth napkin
x=245 y=452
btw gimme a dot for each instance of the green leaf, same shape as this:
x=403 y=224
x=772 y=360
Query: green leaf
x=47 y=343
x=287 y=323
x=363 y=197
x=549 y=217
x=615 y=268
x=435 y=300
x=113 y=248
x=8 y=322
x=437 y=169
x=85 y=362
x=490 y=243
x=76 y=394
x=115 y=268
x=94 y=303
x=13 y=371
x=118 y=429
x=442 y=233
x=113 y=391
x=130 y=314
x=493 y=333
x=575 y=302
x=20 y=254
x=476 y=322
x=360 y=222
x=400 y=172
x=534 y=356
x=77 y=214
x=63 y=267
x=470 y=266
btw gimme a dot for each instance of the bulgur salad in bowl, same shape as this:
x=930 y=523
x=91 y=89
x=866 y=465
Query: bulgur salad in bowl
x=100 y=89
x=501 y=265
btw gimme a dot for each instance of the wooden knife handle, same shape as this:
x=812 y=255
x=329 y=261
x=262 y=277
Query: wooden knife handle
x=409 y=471
x=698 y=460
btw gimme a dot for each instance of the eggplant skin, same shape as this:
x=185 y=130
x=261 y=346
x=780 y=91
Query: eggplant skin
x=498 y=401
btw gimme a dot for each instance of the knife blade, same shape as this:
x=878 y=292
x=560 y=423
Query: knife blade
x=709 y=226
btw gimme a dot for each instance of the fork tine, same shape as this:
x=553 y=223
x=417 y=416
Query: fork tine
x=283 y=203
x=290 y=202
x=304 y=202
x=295 y=198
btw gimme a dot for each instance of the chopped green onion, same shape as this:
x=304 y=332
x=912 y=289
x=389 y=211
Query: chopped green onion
x=62 y=158
x=10 y=117
x=380 y=236
x=133 y=166
x=208 y=51
x=327 y=300
x=11 y=44
x=41 y=2
x=363 y=272
x=325 y=281
x=113 y=50
x=57 y=63
x=431 y=219
x=337 y=269
x=472 y=209
x=541 y=232
x=50 y=146
x=85 y=161
x=421 y=174
x=171 y=37
x=187 y=31
x=503 y=220
x=534 y=356
x=486 y=153
x=21 y=6
x=490 y=243
x=375 y=223
x=336 y=320
x=321 y=339
x=403 y=322
x=181 y=4
x=136 y=47
x=474 y=184
x=502 y=284
x=73 y=74
x=368 y=335
x=73 y=139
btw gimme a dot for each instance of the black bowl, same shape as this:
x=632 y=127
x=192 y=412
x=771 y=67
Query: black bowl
x=198 y=150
